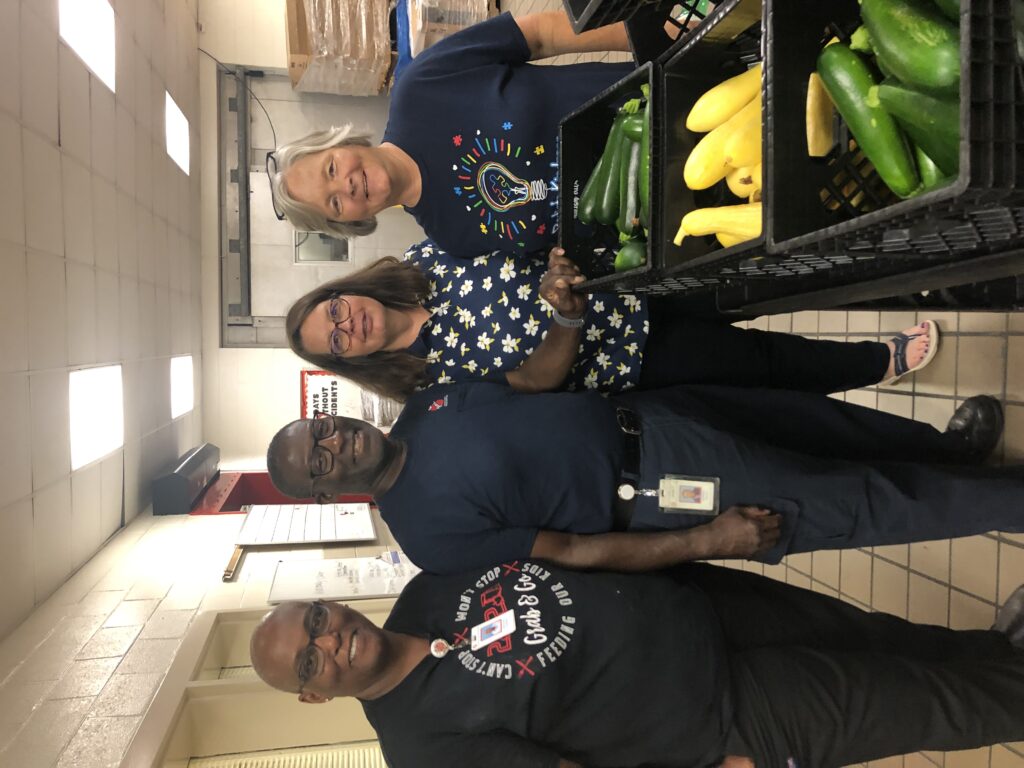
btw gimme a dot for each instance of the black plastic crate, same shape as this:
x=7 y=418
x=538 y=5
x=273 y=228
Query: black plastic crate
x=590 y=14
x=980 y=211
x=646 y=28
x=727 y=44
x=582 y=136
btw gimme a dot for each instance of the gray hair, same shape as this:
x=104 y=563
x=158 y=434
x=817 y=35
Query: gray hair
x=305 y=217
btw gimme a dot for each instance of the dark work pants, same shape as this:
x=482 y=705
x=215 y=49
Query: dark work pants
x=682 y=349
x=828 y=684
x=821 y=426
x=826 y=500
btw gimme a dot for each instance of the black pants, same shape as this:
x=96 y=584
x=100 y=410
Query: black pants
x=682 y=349
x=828 y=684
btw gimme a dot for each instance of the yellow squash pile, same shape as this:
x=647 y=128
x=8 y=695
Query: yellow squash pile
x=731 y=114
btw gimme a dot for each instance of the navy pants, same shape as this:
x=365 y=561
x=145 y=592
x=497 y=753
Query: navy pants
x=788 y=452
x=828 y=684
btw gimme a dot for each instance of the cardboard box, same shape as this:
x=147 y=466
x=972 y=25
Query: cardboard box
x=433 y=20
x=323 y=59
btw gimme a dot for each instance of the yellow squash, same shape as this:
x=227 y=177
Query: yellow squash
x=744 y=145
x=724 y=100
x=819 y=118
x=706 y=164
x=741 y=182
x=728 y=240
x=742 y=221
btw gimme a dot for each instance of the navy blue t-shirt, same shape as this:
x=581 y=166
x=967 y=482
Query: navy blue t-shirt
x=488 y=468
x=482 y=125
x=603 y=669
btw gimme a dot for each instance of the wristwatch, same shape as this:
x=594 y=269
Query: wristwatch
x=566 y=322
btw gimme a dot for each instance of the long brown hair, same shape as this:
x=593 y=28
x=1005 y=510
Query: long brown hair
x=396 y=284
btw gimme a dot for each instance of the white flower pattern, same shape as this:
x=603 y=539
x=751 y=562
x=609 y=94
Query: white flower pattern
x=610 y=351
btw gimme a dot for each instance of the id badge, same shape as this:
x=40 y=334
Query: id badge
x=490 y=631
x=693 y=495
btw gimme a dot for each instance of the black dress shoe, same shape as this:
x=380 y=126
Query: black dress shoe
x=1010 y=620
x=978 y=422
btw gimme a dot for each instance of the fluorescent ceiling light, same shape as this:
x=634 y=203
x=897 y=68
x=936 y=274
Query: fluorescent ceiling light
x=177 y=133
x=182 y=389
x=97 y=413
x=88 y=27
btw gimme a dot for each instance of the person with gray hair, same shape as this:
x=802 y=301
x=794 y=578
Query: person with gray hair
x=309 y=217
x=470 y=148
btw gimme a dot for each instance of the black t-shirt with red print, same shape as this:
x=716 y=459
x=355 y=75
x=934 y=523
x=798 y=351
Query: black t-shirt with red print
x=607 y=670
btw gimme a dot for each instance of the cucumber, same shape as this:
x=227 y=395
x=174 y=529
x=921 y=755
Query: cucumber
x=950 y=9
x=588 y=198
x=931 y=175
x=932 y=123
x=607 y=208
x=915 y=42
x=848 y=80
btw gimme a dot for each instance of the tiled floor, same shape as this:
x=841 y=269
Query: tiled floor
x=955 y=583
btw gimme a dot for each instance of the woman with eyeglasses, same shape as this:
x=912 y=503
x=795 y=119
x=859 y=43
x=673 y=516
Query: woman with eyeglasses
x=470 y=148
x=397 y=326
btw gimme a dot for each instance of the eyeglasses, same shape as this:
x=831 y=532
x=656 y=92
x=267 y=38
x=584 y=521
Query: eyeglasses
x=339 y=311
x=271 y=173
x=309 y=662
x=321 y=462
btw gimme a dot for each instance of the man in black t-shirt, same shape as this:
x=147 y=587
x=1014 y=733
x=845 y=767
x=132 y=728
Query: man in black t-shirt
x=524 y=665
x=473 y=474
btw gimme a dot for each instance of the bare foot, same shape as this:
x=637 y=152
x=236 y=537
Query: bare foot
x=917 y=349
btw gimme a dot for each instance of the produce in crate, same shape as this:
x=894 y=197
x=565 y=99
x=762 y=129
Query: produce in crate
x=908 y=125
x=736 y=221
x=915 y=42
x=931 y=174
x=848 y=80
x=723 y=101
x=819 y=118
x=731 y=111
x=933 y=123
x=707 y=163
x=743 y=182
x=631 y=255
x=617 y=192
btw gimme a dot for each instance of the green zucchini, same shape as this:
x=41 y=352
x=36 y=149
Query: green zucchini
x=607 y=208
x=629 y=177
x=932 y=123
x=587 y=203
x=915 y=42
x=950 y=8
x=631 y=255
x=848 y=80
x=931 y=175
x=633 y=126
x=644 y=180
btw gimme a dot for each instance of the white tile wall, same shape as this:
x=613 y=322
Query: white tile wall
x=77 y=209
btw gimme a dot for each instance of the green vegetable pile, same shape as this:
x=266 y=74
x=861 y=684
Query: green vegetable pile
x=617 y=194
x=897 y=87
